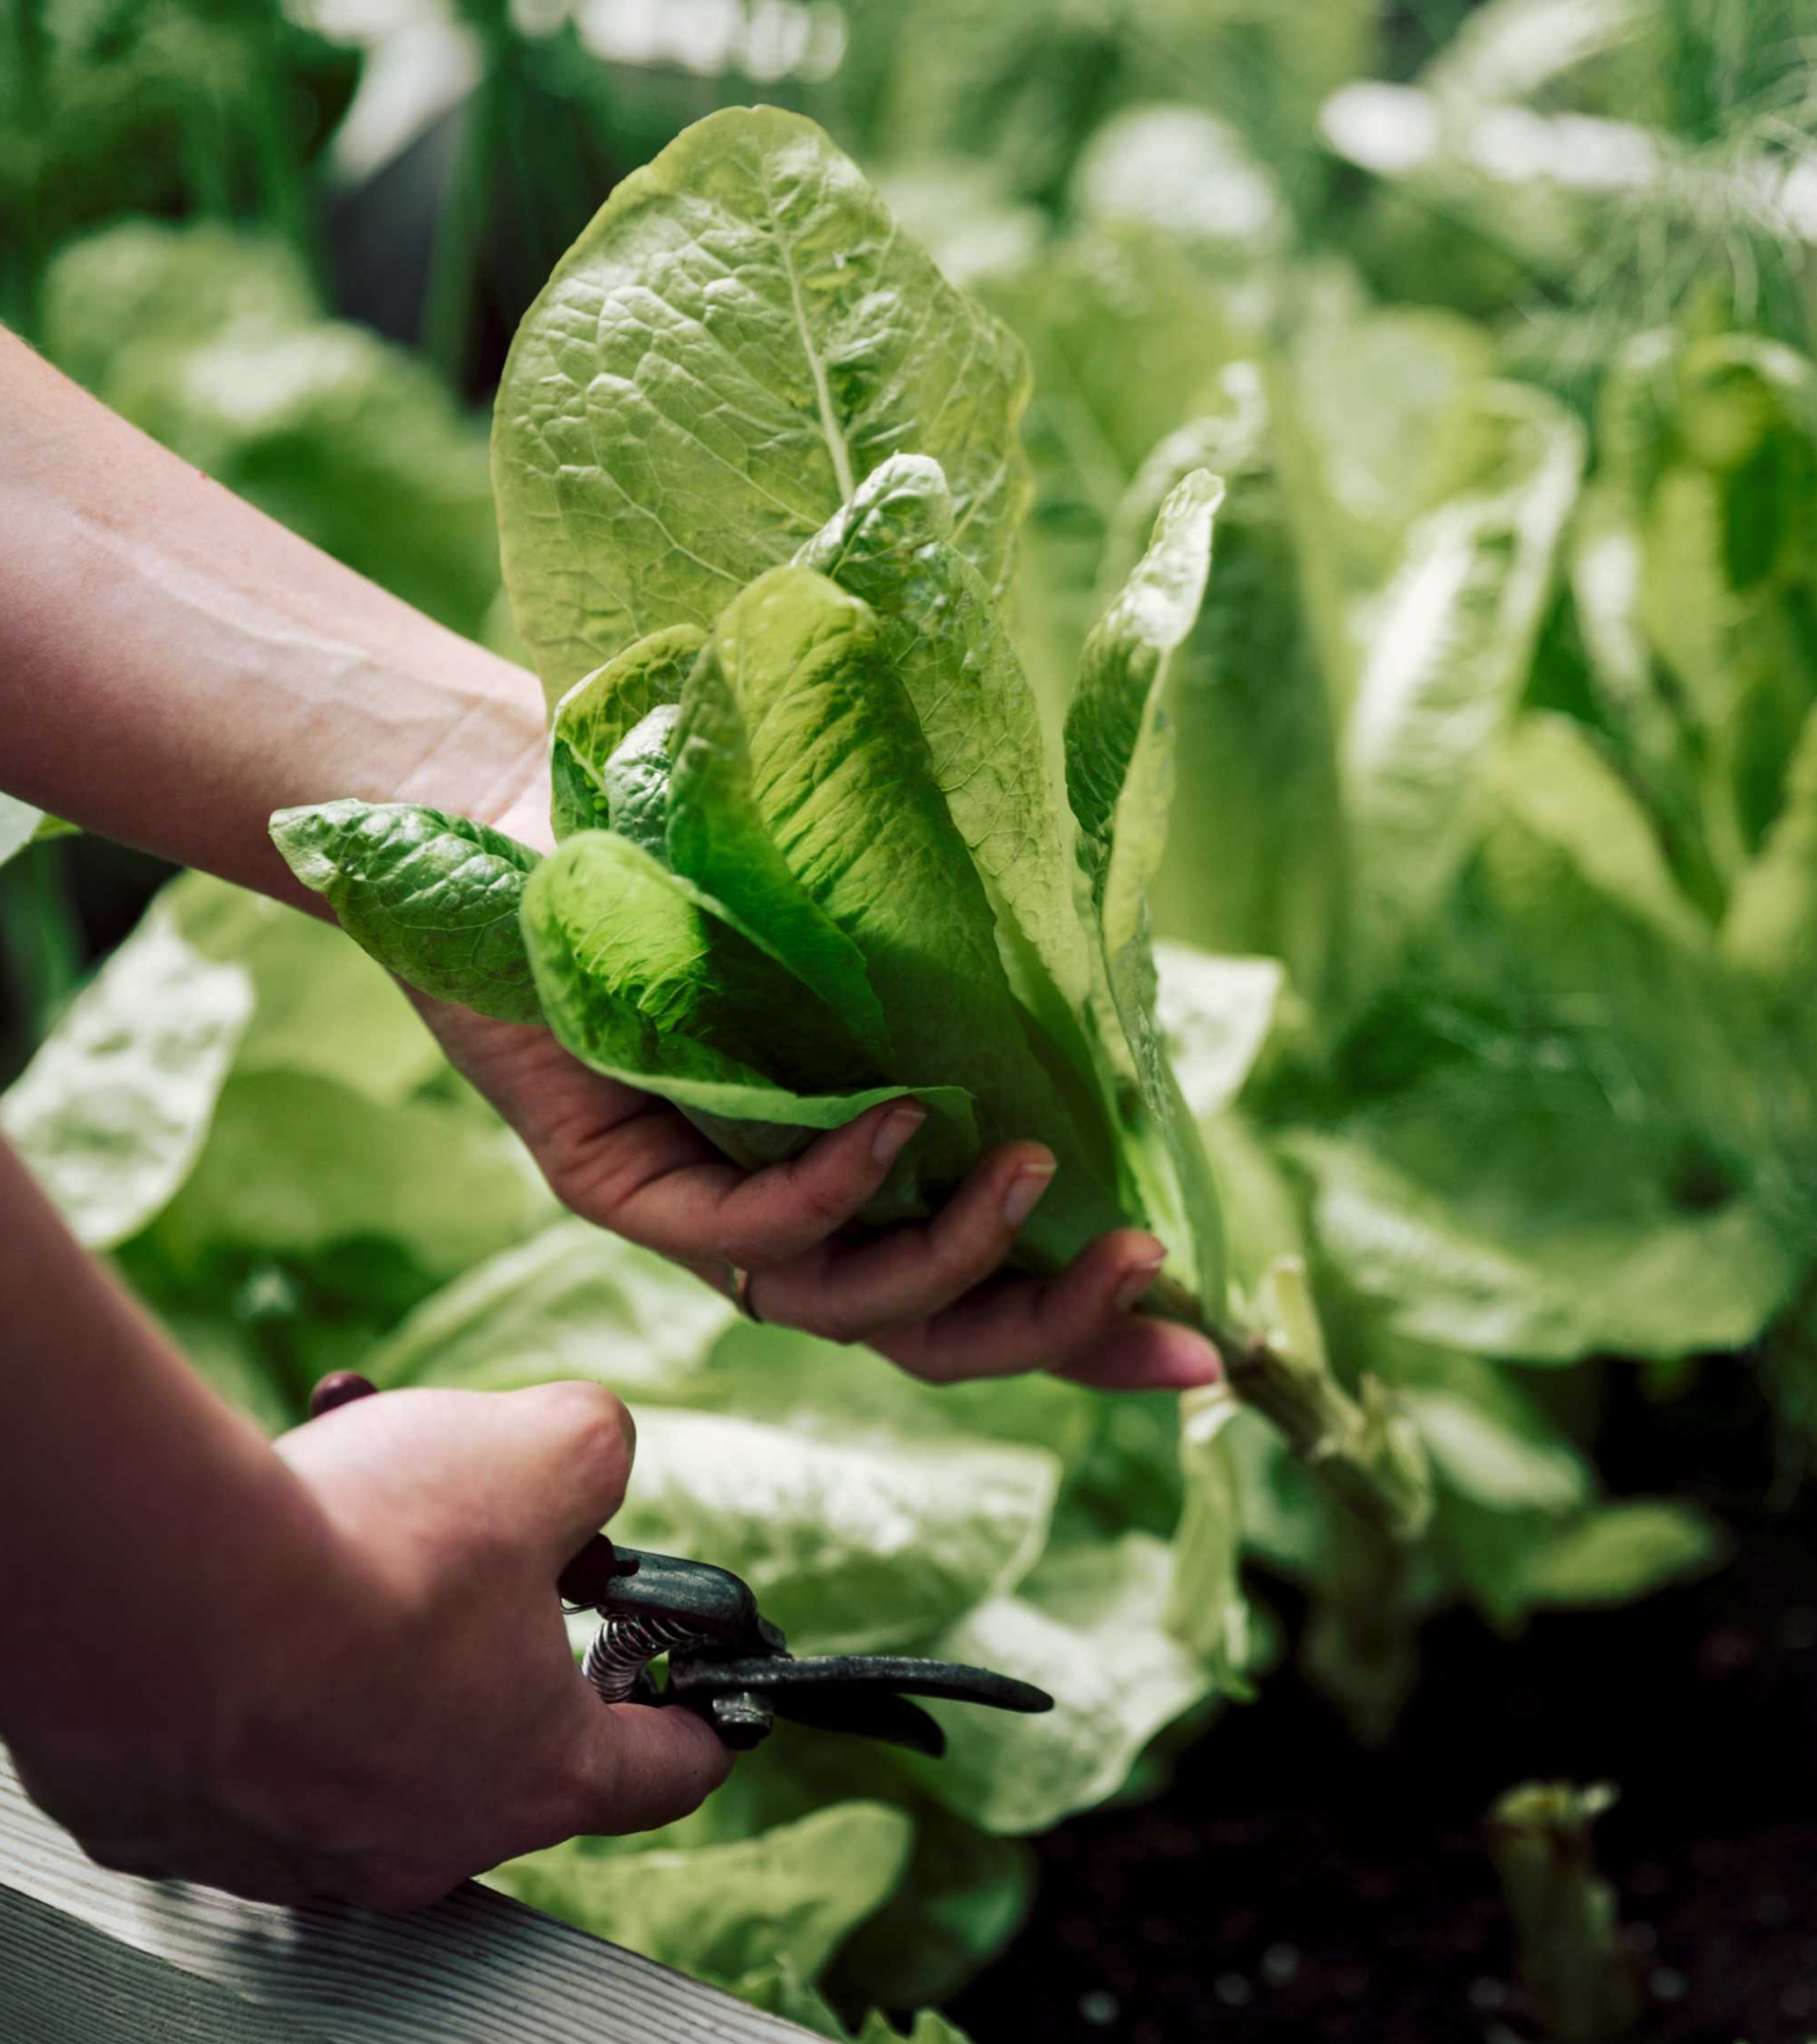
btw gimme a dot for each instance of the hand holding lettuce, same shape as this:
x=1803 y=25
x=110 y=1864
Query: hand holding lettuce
x=758 y=479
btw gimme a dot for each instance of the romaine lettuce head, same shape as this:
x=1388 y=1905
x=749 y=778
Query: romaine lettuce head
x=758 y=482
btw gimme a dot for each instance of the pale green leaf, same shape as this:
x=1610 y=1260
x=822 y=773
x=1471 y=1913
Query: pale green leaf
x=1769 y=932
x=1215 y=1015
x=19 y=823
x=940 y=634
x=1514 y=1215
x=319 y=1003
x=1550 y=784
x=1620 y=1552
x=1449 y=651
x=1118 y=766
x=598 y=714
x=790 y=1895
x=853 y=1544
x=433 y=897
x=790 y=635
x=1503 y=1467
x=1254 y=861
x=1373 y=419
x=112 y=1113
x=636 y=782
x=1090 y=1628
x=1119 y=783
x=802 y=798
x=1206 y=1609
x=572 y=1301
x=740 y=336
x=297 y=1163
x=643 y=983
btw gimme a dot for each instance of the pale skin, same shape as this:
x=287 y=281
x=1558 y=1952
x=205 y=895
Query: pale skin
x=348 y=1675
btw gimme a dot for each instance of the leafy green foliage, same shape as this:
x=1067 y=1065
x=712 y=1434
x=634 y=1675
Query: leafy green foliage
x=434 y=898
x=743 y=313
x=112 y=1111
x=784 y=1898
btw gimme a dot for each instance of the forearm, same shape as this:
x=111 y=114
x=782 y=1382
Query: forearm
x=140 y=1515
x=174 y=665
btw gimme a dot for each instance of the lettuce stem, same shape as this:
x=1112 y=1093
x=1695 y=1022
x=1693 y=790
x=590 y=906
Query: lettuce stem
x=1357 y=1444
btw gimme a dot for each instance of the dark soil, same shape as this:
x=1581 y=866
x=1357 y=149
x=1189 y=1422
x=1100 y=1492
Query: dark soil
x=1289 y=1887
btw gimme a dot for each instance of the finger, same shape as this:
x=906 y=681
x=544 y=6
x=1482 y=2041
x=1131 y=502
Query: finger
x=646 y=1766
x=850 y=1293
x=759 y=1217
x=566 y=1461
x=1081 y=1325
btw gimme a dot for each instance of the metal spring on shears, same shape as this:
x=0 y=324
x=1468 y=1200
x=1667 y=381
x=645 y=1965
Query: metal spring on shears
x=624 y=1646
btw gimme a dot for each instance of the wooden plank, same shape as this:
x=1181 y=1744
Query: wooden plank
x=89 y=1957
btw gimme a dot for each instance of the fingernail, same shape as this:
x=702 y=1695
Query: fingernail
x=1025 y=1188
x=1137 y=1280
x=894 y=1132
x=1205 y=1366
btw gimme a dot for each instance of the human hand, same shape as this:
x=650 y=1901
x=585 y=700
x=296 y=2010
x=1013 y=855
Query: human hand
x=396 y=1706
x=933 y=1298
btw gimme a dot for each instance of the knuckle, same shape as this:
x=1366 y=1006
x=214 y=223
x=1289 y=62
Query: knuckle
x=600 y=1427
x=824 y=1204
x=842 y=1322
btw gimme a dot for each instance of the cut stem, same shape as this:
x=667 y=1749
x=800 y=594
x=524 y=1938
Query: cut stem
x=1358 y=1445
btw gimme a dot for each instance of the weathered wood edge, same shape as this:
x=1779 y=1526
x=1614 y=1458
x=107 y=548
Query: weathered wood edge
x=89 y=1957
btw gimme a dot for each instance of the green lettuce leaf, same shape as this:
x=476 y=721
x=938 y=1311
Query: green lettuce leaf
x=1119 y=783
x=788 y=1896
x=1090 y=1626
x=1509 y=1214
x=434 y=898
x=113 y=1111
x=1216 y=1015
x=1769 y=930
x=1206 y=1609
x=296 y=1164
x=1373 y=421
x=737 y=340
x=964 y=1896
x=19 y=824
x=319 y=1003
x=851 y=1543
x=572 y=1301
x=642 y=982
x=636 y=782
x=598 y=714
x=782 y=637
x=1254 y=860
x=1450 y=649
x=803 y=797
x=1621 y=1552
x=941 y=636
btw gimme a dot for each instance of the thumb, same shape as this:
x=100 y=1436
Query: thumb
x=573 y=1444
x=645 y=1765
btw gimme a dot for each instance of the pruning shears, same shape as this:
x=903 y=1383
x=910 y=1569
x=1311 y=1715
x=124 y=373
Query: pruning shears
x=726 y=1662
x=729 y=1664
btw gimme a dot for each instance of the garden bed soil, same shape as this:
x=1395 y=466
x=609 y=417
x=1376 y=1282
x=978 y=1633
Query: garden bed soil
x=1288 y=1886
